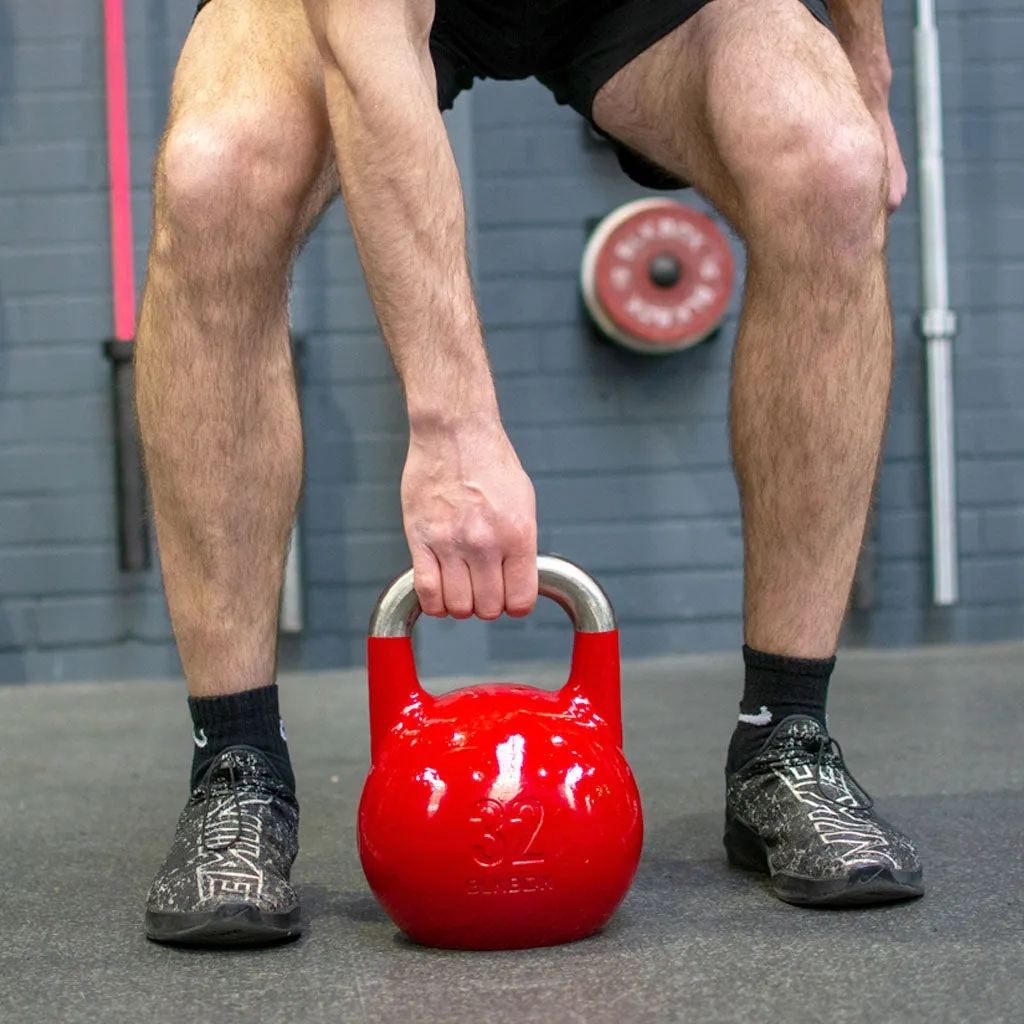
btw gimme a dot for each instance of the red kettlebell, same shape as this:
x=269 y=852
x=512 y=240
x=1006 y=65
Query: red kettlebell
x=499 y=816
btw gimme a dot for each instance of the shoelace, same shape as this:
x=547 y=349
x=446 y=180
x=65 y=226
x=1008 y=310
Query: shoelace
x=827 y=745
x=207 y=786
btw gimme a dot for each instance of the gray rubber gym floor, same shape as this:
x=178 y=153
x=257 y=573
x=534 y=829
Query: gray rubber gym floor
x=93 y=777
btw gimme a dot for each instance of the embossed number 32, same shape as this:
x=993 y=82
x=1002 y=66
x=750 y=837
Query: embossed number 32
x=507 y=831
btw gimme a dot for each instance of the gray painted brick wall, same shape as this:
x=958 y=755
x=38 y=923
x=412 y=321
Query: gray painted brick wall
x=629 y=455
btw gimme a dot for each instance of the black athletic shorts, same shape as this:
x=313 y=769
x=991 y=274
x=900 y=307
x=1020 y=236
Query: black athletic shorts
x=571 y=46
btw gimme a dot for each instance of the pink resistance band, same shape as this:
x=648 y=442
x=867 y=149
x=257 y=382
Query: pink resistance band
x=133 y=532
x=119 y=159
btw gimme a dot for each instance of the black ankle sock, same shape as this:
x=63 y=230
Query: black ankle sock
x=251 y=718
x=775 y=688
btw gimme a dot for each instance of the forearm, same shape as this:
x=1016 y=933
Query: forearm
x=860 y=26
x=404 y=200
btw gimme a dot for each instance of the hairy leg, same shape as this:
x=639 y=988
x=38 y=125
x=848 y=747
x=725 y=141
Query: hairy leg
x=245 y=168
x=765 y=117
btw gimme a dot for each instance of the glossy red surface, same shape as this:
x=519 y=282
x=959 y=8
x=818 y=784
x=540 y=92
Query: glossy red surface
x=499 y=816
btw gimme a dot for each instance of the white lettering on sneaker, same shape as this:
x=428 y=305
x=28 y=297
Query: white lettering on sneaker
x=839 y=821
x=232 y=848
x=763 y=717
x=200 y=739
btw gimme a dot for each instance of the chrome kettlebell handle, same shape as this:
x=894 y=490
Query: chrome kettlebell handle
x=581 y=596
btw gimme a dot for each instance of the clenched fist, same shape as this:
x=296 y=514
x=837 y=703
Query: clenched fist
x=470 y=520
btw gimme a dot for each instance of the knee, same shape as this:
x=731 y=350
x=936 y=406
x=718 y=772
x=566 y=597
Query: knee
x=235 y=180
x=820 y=188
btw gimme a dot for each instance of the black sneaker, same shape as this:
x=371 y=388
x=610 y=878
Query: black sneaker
x=225 y=881
x=796 y=813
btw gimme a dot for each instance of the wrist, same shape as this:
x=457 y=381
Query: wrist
x=874 y=75
x=429 y=421
x=873 y=72
x=456 y=403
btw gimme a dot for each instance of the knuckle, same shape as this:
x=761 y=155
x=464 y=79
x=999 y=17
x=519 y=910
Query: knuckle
x=524 y=531
x=480 y=540
x=442 y=540
x=526 y=541
x=427 y=583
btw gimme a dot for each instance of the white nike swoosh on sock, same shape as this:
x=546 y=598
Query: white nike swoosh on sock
x=200 y=743
x=763 y=717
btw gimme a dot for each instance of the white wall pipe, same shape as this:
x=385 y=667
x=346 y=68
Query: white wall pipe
x=291 y=617
x=938 y=322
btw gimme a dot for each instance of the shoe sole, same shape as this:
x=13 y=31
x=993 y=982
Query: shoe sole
x=230 y=925
x=867 y=886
